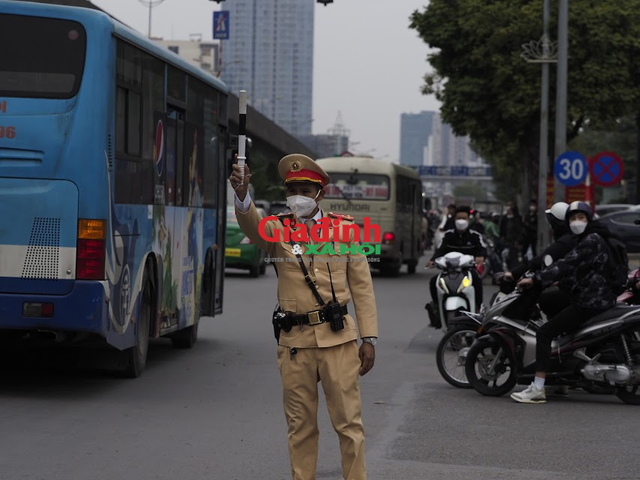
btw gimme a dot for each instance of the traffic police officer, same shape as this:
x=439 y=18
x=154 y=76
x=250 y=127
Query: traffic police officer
x=315 y=349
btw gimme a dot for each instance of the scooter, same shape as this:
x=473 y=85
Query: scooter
x=454 y=286
x=602 y=356
x=451 y=354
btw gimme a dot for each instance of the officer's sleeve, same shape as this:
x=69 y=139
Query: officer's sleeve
x=242 y=205
x=250 y=224
x=361 y=288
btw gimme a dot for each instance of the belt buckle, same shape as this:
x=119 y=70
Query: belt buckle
x=314 y=318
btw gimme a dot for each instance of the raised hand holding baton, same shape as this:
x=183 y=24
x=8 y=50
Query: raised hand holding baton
x=242 y=132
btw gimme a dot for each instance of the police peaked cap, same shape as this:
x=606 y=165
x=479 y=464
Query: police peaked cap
x=300 y=168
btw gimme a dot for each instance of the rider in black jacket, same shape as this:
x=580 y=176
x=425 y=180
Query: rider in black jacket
x=463 y=240
x=582 y=273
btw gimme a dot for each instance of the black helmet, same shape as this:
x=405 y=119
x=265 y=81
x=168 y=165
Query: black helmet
x=579 y=207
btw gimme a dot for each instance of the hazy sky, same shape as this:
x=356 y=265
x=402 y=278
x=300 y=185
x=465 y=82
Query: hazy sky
x=368 y=65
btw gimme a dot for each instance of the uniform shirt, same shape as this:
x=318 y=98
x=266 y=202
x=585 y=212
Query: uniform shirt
x=469 y=242
x=349 y=272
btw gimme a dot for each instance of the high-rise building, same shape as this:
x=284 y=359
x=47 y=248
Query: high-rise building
x=446 y=149
x=269 y=54
x=415 y=129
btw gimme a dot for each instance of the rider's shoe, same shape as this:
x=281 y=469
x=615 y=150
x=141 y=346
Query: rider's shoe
x=530 y=395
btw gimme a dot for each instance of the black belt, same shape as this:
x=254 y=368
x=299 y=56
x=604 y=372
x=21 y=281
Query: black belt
x=312 y=318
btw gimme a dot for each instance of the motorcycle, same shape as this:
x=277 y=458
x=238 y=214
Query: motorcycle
x=451 y=354
x=602 y=356
x=454 y=286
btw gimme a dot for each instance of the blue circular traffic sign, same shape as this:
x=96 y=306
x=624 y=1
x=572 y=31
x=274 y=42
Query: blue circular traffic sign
x=571 y=168
x=606 y=169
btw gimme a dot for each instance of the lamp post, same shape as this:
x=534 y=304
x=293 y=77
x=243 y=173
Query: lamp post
x=561 y=90
x=542 y=51
x=150 y=4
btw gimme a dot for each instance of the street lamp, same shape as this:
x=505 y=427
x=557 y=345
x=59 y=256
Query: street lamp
x=151 y=4
x=542 y=51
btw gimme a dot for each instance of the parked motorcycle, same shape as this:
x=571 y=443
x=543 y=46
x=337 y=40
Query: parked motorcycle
x=602 y=356
x=453 y=348
x=454 y=286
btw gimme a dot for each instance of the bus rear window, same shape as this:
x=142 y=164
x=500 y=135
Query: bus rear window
x=358 y=186
x=41 y=57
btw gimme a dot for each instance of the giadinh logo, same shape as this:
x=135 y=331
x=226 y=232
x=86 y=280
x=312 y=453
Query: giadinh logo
x=321 y=234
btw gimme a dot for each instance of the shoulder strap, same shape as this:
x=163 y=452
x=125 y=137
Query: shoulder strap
x=307 y=278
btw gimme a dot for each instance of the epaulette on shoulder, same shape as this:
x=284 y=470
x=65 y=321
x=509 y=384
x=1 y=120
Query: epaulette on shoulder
x=341 y=216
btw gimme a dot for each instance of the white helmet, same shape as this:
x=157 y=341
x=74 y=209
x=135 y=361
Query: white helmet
x=558 y=210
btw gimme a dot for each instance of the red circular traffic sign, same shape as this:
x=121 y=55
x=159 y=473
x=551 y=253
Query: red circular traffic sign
x=606 y=169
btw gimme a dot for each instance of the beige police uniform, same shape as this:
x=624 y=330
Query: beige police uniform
x=322 y=355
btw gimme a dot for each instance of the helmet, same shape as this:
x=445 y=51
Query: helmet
x=579 y=207
x=558 y=210
x=556 y=217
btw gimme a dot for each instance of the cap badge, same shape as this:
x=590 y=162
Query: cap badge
x=295 y=167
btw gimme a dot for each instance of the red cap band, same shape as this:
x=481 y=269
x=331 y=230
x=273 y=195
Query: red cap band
x=304 y=175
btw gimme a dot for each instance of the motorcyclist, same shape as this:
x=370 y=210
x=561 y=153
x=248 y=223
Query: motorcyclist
x=463 y=240
x=582 y=273
x=563 y=242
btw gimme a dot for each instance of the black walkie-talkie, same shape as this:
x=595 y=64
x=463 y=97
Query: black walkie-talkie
x=333 y=310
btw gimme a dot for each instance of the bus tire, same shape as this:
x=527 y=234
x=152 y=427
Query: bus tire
x=134 y=359
x=206 y=307
x=185 y=338
x=411 y=266
x=391 y=270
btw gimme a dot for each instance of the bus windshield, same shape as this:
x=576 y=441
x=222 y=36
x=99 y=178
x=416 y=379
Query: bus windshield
x=41 y=57
x=360 y=186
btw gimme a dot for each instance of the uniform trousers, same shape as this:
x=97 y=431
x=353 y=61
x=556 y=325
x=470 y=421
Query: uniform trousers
x=337 y=369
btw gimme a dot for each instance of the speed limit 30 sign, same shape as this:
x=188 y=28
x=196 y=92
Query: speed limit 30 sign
x=571 y=168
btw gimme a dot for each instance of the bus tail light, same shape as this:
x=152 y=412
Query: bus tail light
x=388 y=238
x=91 y=249
x=37 y=309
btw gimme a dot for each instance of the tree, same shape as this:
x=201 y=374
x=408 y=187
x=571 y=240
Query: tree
x=491 y=94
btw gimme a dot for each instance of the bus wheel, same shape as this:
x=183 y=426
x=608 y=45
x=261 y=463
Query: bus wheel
x=206 y=306
x=134 y=359
x=411 y=266
x=390 y=270
x=185 y=338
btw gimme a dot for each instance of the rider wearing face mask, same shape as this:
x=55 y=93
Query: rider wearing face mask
x=461 y=239
x=582 y=274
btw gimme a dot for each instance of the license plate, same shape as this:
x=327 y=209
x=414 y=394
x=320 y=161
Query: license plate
x=232 y=252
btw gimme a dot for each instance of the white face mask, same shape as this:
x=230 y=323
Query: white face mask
x=578 y=226
x=301 y=205
x=462 y=225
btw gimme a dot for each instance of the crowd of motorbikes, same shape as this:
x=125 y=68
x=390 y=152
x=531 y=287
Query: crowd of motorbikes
x=493 y=350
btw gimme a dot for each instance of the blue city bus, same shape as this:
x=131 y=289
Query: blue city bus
x=112 y=184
